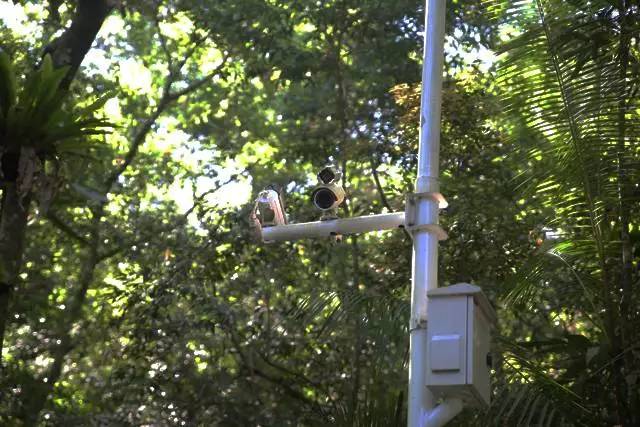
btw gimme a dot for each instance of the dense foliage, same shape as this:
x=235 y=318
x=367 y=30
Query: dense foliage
x=135 y=135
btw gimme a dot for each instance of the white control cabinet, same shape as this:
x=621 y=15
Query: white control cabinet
x=460 y=319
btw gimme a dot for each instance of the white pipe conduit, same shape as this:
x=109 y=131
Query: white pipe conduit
x=341 y=226
x=443 y=413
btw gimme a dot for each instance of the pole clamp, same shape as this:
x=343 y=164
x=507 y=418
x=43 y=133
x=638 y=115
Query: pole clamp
x=416 y=324
x=410 y=214
x=431 y=195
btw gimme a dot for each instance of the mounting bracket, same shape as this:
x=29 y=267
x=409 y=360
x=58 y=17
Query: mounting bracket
x=410 y=214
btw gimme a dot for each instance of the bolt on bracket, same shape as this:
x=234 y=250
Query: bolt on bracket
x=416 y=324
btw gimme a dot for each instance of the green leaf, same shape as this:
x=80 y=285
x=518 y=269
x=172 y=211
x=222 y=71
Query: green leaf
x=97 y=104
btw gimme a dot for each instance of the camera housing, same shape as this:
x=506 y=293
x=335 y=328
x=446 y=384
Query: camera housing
x=269 y=209
x=329 y=194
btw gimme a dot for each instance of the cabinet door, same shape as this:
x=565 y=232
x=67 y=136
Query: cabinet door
x=447 y=341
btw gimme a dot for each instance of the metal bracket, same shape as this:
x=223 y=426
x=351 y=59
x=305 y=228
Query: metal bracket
x=416 y=324
x=430 y=228
x=435 y=196
x=411 y=214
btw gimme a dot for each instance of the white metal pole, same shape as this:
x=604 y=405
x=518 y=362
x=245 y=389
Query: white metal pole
x=425 y=243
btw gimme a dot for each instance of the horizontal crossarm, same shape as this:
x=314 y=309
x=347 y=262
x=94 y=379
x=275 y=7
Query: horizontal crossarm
x=333 y=227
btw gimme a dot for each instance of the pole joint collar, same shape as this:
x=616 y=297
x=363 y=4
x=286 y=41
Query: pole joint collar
x=411 y=215
x=435 y=196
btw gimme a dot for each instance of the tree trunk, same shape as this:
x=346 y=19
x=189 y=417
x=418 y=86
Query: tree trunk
x=68 y=50
x=71 y=47
x=13 y=223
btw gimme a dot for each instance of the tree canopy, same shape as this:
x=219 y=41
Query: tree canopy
x=134 y=137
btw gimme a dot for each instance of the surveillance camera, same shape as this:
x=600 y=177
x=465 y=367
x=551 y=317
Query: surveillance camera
x=327 y=197
x=269 y=209
x=328 y=194
x=328 y=175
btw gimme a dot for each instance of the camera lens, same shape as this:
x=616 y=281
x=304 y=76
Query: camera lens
x=324 y=198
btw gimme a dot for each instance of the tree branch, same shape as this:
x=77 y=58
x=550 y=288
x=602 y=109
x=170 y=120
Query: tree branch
x=66 y=228
x=383 y=196
x=73 y=44
x=196 y=44
x=138 y=139
x=198 y=82
x=166 y=98
x=182 y=220
x=163 y=44
x=37 y=397
x=250 y=366
x=376 y=179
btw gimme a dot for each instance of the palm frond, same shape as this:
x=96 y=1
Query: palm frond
x=329 y=310
x=382 y=409
x=35 y=116
x=565 y=85
x=528 y=396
